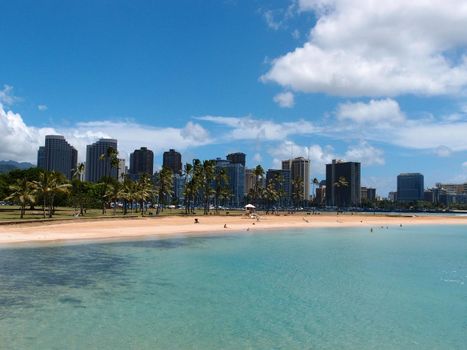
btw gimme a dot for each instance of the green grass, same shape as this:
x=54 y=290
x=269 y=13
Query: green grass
x=12 y=213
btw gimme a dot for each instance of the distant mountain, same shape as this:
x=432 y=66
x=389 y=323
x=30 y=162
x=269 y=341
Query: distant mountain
x=8 y=165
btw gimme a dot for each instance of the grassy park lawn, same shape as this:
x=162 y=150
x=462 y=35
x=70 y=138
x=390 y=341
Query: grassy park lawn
x=12 y=213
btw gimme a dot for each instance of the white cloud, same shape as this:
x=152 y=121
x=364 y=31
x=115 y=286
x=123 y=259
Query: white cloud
x=320 y=156
x=383 y=121
x=379 y=48
x=248 y=128
x=6 y=96
x=383 y=112
x=464 y=165
x=20 y=142
x=365 y=153
x=42 y=108
x=285 y=99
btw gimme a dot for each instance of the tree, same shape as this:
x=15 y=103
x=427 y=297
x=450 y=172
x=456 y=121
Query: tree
x=271 y=195
x=144 y=190
x=48 y=186
x=77 y=187
x=188 y=191
x=23 y=193
x=113 y=192
x=259 y=174
x=207 y=179
x=221 y=182
x=165 y=187
x=111 y=158
x=297 y=191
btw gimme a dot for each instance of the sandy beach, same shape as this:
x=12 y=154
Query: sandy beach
x=159 y=227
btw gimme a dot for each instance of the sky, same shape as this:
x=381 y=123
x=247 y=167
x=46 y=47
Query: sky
x=383 y=82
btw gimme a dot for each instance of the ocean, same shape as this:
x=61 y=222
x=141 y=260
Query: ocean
x=327 y=288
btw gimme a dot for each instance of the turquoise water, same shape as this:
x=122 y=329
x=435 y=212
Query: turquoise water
x=347 y=288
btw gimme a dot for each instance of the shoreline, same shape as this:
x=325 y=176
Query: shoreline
x=176 y=226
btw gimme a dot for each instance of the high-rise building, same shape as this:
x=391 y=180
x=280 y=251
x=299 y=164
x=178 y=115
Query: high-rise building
x=98 y=164
x=142 y=162
x=237 y=158
x=236 y=178
x=410 y=187
x=57 y=155
x=368 y=194
x=41 y=162
x=343 y=184
x=299 y=169
x=122 y=169
x=282 y=184
x=172 y=160
x=178 y=187
x=250 y=180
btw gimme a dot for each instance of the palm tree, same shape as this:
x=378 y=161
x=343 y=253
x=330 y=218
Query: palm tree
x=259 y=174
x=271 y=195
x=221 y=181
x=57 y=186
x=340 y=184
x=127 y=193
x=165 y=187
x=48 y=186
x=297 y=191
x=111 y=161
x=144 y=191
x=188 y=190
x=42 y=187
x=113 y=192
x=23 y=193
x=78 y=186
x=208 y=177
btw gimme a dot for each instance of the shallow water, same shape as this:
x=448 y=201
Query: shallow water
x=341 y=288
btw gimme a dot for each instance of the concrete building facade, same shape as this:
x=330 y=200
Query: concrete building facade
x=410 y=187
x=57 y=155
x=98 y=164
x=172 y=160
x=340 y=195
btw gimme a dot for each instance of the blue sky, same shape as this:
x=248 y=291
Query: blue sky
x=384 y=84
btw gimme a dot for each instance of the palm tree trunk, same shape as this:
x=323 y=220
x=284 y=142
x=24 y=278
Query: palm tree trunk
x=22 y=211
x=43 y=206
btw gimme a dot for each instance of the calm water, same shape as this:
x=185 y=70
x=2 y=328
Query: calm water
x=401 y=288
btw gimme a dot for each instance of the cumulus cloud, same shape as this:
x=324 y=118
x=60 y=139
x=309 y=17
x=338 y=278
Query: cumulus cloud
x=42 y=108
x=19 y=141
x=365 y=153
x=384 y=112
x=285 y=99
x=464 y=165
x=248 y=128
x=383 y=121
x=379 y=48
x=321 y=155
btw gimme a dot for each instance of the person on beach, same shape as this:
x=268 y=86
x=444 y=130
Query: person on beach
x=196 y=221
x=225 y=225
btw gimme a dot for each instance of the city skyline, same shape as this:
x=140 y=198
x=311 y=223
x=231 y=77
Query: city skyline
x=258 y=105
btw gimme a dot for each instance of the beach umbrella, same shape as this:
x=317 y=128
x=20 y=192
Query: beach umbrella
x=250 y=206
